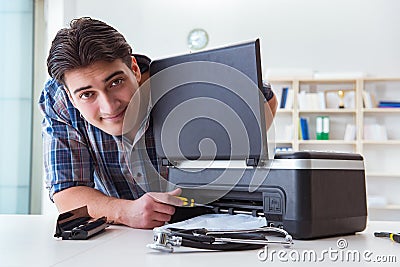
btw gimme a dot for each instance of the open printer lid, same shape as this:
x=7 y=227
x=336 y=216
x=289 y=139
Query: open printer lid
x=208 y=106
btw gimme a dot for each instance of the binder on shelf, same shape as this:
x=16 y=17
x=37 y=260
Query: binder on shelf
x=350 y=132
x=321 y=100
x=389 y=104
x=318 y=128
x=322 y=128
x=325 y=128
x=302 y=100
x=367 y=99
x=304 y=129
x=289 y=99
x=284 y=97
x=299 y=131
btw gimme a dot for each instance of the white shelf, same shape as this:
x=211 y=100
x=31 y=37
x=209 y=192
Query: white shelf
x=329 y=111
x=326 y=80
x=381 y=110
x=393 y=207
x=283 y=141
x=386 y=207
x=381 y=79
x=284 y=111
x=382 y=174
x=385 y=142
x=327 y=142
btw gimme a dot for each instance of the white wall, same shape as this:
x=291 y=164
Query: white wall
x=322 y=35
x=46 y=27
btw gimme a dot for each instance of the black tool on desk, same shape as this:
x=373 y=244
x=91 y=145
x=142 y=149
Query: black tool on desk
x=394 y=237
x=78 y=225
x=228 y=240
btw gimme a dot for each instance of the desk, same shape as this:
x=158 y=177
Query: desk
x=27 y=240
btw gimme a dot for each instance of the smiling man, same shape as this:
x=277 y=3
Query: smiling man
x=94 y=77
x=104 y=97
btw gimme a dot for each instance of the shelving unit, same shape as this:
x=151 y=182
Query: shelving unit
x=381 y=110
x=381 y=157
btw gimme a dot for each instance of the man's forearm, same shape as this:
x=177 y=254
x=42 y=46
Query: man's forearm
x=98 y=204
x=150 y=210
x=273 y=104
x=270 y=108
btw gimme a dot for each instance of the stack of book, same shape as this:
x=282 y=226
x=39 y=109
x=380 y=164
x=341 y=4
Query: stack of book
x=389 y=104
x=311 y=101
x=350 y=132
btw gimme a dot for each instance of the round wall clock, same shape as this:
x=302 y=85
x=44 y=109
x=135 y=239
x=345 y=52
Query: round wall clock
x=197 y=39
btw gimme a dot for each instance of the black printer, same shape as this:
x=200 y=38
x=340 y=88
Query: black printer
x=309 y=194
x=209 y=127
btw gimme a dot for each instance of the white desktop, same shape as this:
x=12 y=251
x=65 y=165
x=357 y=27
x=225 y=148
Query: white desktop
x=27 y=240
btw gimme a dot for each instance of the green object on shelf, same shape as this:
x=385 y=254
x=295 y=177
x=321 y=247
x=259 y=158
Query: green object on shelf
x=322 y=128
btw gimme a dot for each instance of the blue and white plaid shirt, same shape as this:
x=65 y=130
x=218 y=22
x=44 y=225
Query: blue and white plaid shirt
x=78 y=154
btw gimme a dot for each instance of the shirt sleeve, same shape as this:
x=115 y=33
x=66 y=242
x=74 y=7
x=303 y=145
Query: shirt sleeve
x=67 y=160
x=267 y=91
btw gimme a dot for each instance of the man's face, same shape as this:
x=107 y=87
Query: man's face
x=102 y=91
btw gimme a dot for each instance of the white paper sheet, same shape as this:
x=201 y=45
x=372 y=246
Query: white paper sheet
x=220 y=222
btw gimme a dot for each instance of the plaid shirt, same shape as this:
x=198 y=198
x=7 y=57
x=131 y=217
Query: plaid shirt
x=78 y=154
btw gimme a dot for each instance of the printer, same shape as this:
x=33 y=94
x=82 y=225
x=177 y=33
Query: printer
x=210 y=132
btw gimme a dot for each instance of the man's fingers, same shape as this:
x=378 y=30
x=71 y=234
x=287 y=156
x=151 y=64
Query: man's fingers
x=173 y=200
x=169 y=198
x=163 y=208
x=176 y=192
x=161 y=217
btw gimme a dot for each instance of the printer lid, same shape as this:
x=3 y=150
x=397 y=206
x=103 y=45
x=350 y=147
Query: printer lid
x=318 y=155
x=208 y=106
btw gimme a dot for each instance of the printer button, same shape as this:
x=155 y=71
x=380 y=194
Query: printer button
x=275 y=204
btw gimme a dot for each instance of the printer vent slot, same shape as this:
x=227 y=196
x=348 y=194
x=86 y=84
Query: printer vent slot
x=250 y=207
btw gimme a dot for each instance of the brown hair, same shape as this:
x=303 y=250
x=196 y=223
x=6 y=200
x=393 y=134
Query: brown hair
x=85 y=42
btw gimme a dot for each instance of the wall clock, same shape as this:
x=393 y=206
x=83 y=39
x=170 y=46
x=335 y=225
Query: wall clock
x=197 y=39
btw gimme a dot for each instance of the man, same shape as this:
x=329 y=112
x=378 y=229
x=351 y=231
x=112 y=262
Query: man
x=94 y=76
x=82 y=126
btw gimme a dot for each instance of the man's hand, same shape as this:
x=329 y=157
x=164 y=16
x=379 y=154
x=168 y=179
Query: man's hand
x=151 y=210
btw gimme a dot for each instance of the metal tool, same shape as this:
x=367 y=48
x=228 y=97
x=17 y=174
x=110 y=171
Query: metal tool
x=394 y=237
x=166 y=239
x=189 y=202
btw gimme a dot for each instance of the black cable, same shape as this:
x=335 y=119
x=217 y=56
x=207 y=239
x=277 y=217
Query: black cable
x=197 y=238
x=220 y=246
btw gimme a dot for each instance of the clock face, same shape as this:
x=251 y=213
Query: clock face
x=197 y=39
